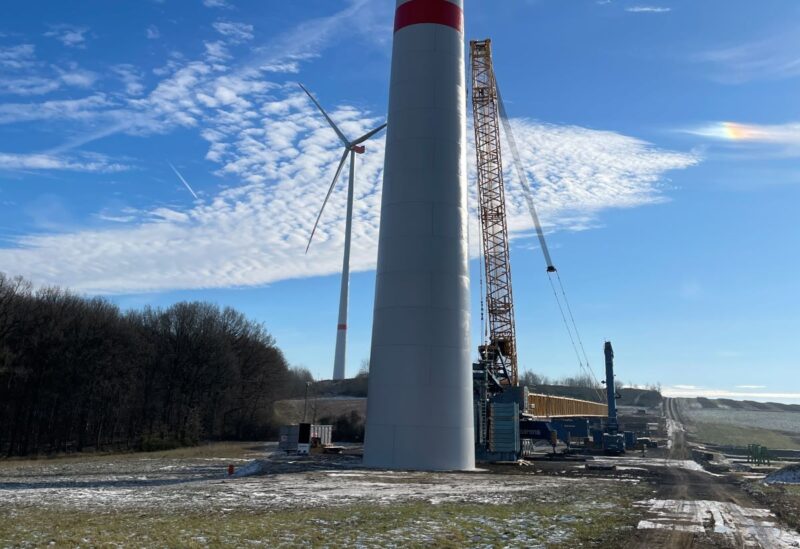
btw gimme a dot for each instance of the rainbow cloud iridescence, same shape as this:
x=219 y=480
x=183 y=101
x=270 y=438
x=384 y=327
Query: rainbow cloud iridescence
x=787 y=134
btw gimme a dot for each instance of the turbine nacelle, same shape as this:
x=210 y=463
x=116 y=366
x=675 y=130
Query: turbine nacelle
x=351 y=147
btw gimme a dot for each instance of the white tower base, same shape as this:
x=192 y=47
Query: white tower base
x=419 y=410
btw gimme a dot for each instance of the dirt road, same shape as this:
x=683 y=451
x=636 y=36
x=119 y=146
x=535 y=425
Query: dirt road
x=699 y=509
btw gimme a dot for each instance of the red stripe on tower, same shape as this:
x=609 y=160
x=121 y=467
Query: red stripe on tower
x=341 y=327
x=439 y=12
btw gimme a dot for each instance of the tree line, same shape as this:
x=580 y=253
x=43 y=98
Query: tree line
x=77 y=373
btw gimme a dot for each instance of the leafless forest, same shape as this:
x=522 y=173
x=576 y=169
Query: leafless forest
x=78 y=373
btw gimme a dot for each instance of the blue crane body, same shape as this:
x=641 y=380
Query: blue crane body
x=613 y=440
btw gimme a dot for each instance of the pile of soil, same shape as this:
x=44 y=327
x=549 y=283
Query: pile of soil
x=788 y=475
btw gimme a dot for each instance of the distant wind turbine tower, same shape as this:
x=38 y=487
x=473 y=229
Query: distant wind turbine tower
x=351 y=147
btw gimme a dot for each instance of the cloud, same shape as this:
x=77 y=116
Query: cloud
x=783 y=134
x=785 y=138
x=690 y=391
x=216 y=51
x=28 y=85
x=277 y=157
x=271 y=141
x=152 y=32
x=770 y=58
x=189 y=87
x=17 y=57
x=216 y=4
x=25 y=75
x=65 y=109
x=115 y=218
x=309 y=38
x=69 y=35
x=582 y=171
x=131 y=78
x=751 y=386
x=89 y=163
x=648 y=9
x=237 y=32
x=77 y=77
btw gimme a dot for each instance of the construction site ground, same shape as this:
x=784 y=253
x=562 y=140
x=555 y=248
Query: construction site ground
x=185 y=498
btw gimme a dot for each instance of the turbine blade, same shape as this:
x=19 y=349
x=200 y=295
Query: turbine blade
x=368 y=135
x=330 y=190
x=183 y=181
x=328 y=118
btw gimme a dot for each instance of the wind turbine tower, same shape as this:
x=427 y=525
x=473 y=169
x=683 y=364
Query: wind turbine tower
x=351 y=148
x=419 y=407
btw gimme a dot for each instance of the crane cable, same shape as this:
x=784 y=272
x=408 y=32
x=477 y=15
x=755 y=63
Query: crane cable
x=523 y=180
x=566 y=324
x=572 y=318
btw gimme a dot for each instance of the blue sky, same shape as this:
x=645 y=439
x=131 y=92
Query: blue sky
x=663 y=139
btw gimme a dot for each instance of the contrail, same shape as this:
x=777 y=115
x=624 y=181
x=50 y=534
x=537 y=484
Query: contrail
x=83 y=140
x=183 y=181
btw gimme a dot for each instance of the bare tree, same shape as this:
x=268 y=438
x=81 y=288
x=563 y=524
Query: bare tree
x=76 y=373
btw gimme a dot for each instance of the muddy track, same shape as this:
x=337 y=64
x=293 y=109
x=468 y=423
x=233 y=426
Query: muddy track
x=677 y=484
x=680 y=448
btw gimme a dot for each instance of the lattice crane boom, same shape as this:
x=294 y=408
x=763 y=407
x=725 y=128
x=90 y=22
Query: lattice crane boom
x=501 y=349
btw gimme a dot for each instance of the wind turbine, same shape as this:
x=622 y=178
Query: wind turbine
x=353 y=148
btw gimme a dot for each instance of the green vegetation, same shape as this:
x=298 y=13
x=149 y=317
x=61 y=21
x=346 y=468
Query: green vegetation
x=739 y=435
x=782 y=499
x=421 y=524
x=236 y=449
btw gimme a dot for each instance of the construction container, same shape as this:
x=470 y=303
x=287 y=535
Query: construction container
x=630 y=440
x=316 y=435
x=504 y=430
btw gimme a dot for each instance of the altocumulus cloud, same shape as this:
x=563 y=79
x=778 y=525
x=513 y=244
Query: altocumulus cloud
x=254 y=233
x=264 y=135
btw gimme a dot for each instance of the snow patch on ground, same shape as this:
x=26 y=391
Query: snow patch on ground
x=672 y=427
x=274 y=482
x=622 y=461
x=255 y=467
x=739 y=526
x=788 y=475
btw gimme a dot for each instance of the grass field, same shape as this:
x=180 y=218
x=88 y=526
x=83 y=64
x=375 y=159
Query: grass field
x=291 y=411
x=420 y=524
x=734 y=427
x=184 y=498
x=731 y=435
x=788 y=422
x=782 y=499
x=239 y=450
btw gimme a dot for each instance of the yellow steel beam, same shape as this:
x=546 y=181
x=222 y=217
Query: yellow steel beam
x=554 y=406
